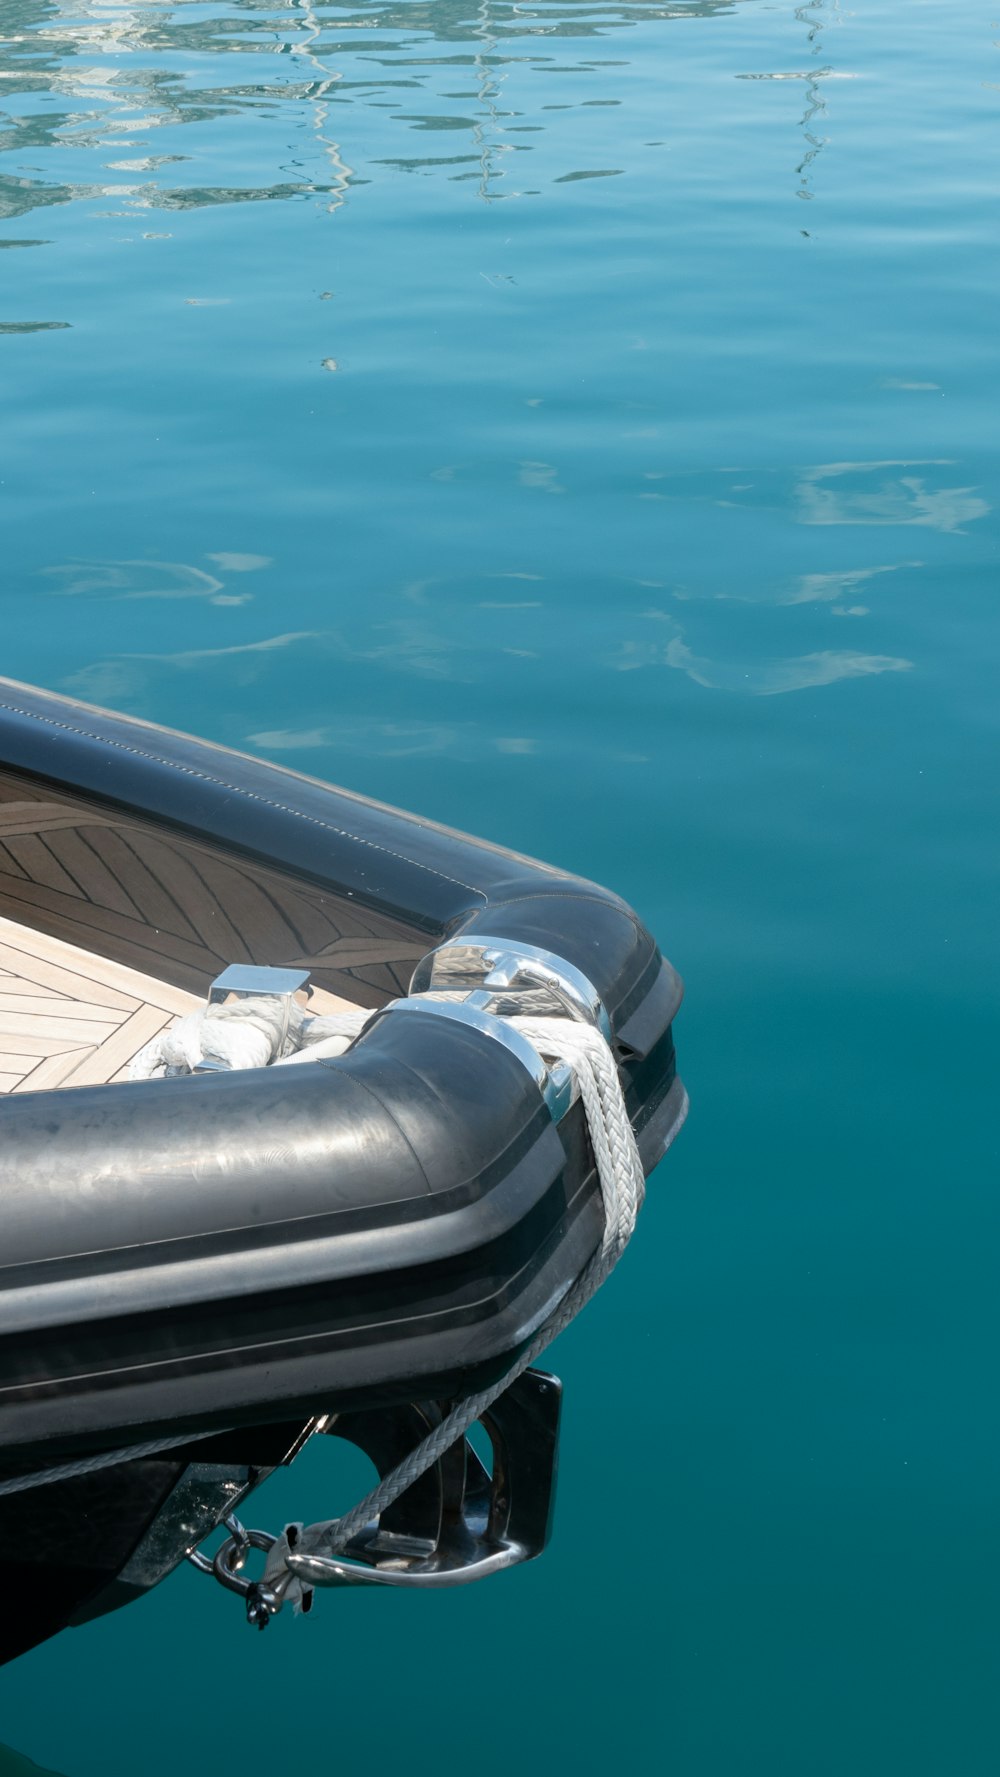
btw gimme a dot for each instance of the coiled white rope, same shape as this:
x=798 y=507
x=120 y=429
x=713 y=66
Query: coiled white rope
x=258 y=1031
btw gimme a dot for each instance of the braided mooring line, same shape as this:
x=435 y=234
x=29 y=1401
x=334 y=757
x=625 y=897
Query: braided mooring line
x=90 y=1465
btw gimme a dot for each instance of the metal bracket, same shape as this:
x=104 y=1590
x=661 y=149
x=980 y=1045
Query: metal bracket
x=458 y=1522
x=242 y=981
x=508 y=971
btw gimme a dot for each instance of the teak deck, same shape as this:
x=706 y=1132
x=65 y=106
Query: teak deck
x=111 y=926
x=171 y=907
x=71 y=1018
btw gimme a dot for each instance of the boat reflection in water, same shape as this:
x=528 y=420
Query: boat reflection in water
x=319 y=64
x=14 y=1764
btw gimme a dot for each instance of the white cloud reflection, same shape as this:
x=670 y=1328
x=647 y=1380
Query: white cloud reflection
x=757 y=678
x=195 y=656
x=137 y=579
x=371 y=737
x=543 y=476
x=864 y=493
x=123 y=677
x=367 y=736
x=233 y=562
x=825 y=588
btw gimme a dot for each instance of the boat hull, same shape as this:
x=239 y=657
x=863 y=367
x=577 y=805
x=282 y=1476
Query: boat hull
x=230 y=1254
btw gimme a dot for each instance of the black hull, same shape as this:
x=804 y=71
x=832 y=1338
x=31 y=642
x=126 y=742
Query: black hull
x=247 y=1250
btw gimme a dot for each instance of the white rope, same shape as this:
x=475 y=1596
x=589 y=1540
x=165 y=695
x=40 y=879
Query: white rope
x=623 y=1187
x=246 y=1033
x=89 y=1465
x=251 y=1032
x=328 y=1036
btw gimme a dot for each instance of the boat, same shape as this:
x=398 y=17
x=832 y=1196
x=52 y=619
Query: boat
x=203 y=1268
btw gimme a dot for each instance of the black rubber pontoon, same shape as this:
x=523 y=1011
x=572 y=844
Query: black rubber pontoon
x=243 y=1251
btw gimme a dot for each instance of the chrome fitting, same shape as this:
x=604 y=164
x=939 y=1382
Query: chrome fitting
x=509 y=973
x=553 y=1079
x=243 y=981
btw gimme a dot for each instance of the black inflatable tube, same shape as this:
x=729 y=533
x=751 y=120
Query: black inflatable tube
x=232 y=1248
x=440 y=881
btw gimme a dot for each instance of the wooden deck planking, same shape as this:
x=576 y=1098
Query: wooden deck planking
x=10 y=865
x=13 y=984
x=35 y=1049
x=57 y=1070
x=71 y=1018
x=119 y=1049
x=209 y=918
x=79 y=859
x=41 y=865
x=74 y=973
x=53 y=980
x=16 y=1007
x=177 y=910
x=154 y=902
x=323 y=1004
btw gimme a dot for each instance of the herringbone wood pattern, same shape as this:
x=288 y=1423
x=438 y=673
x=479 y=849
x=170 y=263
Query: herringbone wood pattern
x=71 y=1018
x=179 y=909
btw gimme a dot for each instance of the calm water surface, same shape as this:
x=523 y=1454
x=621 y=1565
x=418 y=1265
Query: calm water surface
x=578 y=422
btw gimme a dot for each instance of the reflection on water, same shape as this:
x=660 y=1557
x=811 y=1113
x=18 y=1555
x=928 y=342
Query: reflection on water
x=829 y=587
x=449 y=400
x=15 y=1764
x=863 y=493
x=815 y=16
x=753 y=677
x=153 y=579
x=120 y=72
x=34 y=326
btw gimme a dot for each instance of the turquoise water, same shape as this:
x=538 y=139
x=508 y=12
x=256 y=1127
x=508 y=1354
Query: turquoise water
x=579 y=423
